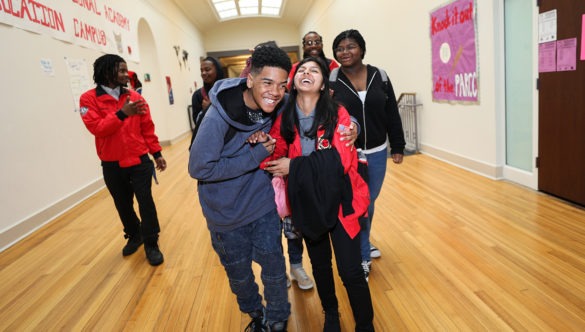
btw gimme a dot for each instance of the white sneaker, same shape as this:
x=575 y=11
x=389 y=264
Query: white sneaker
x=366 y=265
x=374 y=252
x=303 y=280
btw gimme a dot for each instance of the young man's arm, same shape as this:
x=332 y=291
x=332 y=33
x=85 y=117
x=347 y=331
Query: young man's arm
x=208 y=162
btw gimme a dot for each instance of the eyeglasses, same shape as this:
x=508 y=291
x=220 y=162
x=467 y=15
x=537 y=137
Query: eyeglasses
x=348 y=48
x=312 y=42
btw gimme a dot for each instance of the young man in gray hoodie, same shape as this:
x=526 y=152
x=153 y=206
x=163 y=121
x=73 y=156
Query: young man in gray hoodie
x=236 y=196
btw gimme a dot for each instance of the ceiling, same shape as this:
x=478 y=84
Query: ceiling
x=201 y=13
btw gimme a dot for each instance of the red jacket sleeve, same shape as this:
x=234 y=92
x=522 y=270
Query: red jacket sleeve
x=99 y=122
x=281 y=148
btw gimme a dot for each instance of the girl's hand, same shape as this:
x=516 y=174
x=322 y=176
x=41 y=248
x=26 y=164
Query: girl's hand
x=279 y=167
x=258 y=137
x=349 y=134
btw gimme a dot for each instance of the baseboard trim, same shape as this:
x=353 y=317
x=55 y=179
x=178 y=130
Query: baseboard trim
x=176 y=139
x=475 y=166
x=21 y=230
x=27 y=226
x=522 y=177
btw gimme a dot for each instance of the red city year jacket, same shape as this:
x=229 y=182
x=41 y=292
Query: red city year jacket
x=118 y=140
x=349 y=161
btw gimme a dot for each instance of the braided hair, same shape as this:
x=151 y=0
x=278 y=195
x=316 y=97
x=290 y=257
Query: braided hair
x=105 y=69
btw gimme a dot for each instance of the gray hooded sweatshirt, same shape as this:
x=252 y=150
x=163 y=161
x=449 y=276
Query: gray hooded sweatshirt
x=233 y=190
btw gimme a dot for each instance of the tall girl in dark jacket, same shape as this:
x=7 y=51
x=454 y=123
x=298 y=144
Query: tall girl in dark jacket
x=361 y=89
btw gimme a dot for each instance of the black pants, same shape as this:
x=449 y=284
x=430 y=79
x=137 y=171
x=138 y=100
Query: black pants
x=126 y=182
x=348 y=258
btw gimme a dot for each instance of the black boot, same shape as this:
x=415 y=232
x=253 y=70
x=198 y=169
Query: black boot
x=134 y=242
x=277 y=326
x=257 y=322
x=153 y=254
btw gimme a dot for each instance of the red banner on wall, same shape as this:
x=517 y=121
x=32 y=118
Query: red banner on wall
x=95 y=24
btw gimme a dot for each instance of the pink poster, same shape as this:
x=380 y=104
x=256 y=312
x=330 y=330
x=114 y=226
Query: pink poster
x=567 y=54
x=547 y=57
x=454 y=52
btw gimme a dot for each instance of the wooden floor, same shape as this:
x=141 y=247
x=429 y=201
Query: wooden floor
x=459 y=253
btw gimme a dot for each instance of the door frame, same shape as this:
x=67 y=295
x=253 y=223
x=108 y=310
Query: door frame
x=520 y=176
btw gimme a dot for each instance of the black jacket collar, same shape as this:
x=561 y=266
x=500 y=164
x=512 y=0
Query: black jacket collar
x=99 y=91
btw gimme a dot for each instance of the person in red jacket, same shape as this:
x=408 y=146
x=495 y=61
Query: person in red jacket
x=312 y=46
x=134 y=82
x=310 y=128
x=120 y=120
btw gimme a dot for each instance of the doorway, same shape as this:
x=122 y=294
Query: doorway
x=561 y=129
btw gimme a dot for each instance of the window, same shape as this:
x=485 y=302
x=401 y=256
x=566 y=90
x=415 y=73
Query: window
x=230 y=9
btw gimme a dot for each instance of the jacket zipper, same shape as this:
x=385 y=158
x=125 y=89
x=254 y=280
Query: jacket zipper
x=365 y=129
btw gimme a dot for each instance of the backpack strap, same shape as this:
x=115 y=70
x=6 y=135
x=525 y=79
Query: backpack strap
x=333 y=74
x=228 y=135
x=383 y=75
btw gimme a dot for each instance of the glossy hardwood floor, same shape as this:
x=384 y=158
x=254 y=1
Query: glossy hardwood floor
x=459 y=253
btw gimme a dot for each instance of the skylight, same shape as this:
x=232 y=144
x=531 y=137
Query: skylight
x=229 y=9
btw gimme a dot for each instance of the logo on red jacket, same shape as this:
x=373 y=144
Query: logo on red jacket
x=324 y=144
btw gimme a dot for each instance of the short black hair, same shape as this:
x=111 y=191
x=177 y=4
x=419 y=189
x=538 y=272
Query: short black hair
x=350 y=34
x=269 y=56
x=105 y=68
x=271 y=43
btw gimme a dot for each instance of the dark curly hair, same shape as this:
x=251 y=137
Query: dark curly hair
x=350 y=34
x=105 y=68
x=269 y=56
x=325 y=110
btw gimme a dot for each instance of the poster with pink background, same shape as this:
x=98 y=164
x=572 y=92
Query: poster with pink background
x=454 y=52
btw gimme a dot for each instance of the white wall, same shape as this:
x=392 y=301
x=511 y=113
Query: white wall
x=398 y=40
x=49 y=161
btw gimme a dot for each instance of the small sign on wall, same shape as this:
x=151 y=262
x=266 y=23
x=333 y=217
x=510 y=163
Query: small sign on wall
x=170 y=90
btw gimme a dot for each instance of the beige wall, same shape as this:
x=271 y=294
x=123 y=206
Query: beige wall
x=49 y=161
x=244 y=34
x=398 y=40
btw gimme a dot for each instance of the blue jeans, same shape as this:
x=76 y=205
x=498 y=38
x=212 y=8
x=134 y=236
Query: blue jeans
x=295 y=251
x=259 y=241
x=376 y=173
